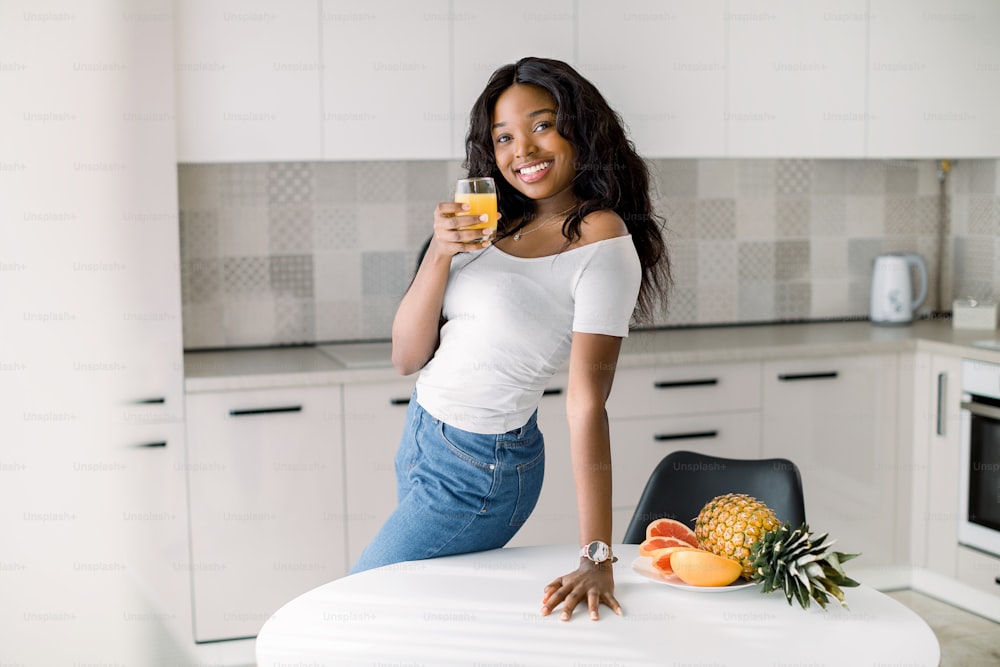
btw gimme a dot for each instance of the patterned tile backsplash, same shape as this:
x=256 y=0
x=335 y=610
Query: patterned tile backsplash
x=286 y=253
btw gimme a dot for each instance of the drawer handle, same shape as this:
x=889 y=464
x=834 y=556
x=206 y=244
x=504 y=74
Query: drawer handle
x=148 y=445
x=265 y=411
x=399 y=401
x=942 y=390
x=693 y=435
x=793 y=377
x=554 y=391
x=159 y=400
x=675 y=384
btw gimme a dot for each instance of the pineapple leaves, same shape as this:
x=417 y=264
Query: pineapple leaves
x=804 y=568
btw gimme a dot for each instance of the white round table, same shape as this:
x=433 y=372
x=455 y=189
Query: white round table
x=483 y=609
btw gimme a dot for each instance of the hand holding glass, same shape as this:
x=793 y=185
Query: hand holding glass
x=481 y=196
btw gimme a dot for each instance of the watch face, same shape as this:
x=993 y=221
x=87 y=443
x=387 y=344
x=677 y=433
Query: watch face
x=598 y=551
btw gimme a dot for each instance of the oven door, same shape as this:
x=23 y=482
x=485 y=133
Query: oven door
x=979 y=487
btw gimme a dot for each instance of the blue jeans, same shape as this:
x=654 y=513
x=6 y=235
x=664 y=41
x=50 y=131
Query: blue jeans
x=458 y=491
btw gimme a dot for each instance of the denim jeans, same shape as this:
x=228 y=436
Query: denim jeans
x=458 y=491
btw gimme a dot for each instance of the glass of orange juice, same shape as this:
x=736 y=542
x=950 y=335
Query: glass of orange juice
x=481 y=196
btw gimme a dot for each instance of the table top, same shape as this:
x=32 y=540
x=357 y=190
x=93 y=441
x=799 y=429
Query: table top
x=483 y=608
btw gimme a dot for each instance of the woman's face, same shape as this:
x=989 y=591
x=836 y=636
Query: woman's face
x=530 y=153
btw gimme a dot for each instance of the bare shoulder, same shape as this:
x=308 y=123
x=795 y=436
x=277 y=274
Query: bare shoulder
x=601 y=225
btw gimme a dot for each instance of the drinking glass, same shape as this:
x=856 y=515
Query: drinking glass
x=481 y=196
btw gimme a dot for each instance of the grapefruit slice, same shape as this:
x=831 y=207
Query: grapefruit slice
x=671 y=528
x=661 y=558
x=703 y=568
x=651 y=544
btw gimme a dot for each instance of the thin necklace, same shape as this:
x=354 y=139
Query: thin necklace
x=519 y=233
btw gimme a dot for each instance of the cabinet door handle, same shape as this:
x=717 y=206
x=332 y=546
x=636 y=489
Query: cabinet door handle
x=677 y=384
x=692 y=435
x=942 y=389
x=265 y=411
x=399 y=401
x=552 y=391
x=158 y=400
x=793 y=377
x=148 y=445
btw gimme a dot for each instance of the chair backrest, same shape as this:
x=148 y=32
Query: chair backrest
x=684 y=481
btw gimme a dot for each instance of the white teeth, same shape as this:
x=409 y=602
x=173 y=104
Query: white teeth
x=538 y=167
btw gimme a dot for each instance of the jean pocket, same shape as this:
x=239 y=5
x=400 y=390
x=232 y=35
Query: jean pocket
x=529 y=486
x=474 y=448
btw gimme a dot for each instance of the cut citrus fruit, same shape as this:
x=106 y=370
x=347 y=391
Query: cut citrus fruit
x=661 y=558
x=703 y=568
x=671 y=528
x=651 y=544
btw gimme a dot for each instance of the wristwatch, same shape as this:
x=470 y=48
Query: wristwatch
x=597 y=552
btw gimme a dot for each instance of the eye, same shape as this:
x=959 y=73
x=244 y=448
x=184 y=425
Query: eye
x=544 y=125
x=502 y=138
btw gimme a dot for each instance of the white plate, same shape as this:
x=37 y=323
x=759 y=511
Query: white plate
x=644 y=566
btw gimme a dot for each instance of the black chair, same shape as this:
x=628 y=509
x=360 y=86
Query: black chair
x=684 y=481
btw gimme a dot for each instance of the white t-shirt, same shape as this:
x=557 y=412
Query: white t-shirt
x=509 y=324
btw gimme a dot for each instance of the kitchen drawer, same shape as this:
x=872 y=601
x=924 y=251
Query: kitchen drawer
x=265 y=470
x=680 y=390
x=637 y=445
x=979 y=570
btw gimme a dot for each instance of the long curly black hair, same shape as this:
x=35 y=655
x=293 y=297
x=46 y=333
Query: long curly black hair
x=610 y=175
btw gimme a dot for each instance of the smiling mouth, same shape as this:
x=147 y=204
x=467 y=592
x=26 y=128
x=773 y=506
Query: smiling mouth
x=534 y=171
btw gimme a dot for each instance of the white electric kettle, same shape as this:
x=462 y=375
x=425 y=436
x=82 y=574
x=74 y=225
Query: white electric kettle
x=892 y=288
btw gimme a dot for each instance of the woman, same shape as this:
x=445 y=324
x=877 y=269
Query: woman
x=578 y=256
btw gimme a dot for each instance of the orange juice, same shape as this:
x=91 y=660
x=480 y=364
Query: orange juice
x=479 y=203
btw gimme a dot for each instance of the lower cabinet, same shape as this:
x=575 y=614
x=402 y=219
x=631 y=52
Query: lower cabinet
x=939 y=517
x=266 y=502
x=708 y=408
x=835 y=418
x=374 y=417
x=979 y=570
x=554 y=519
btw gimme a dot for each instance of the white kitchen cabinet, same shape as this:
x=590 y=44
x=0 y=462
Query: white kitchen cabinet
x=662 y=66
x=934 y=79
x=248 y=80
x=796 y=84
x=374 y=418
x=386 y=80
x=513 y=30
x=939 y=517
x=554 y=519
x=90 y=336
x=979 y=570
x=265 y=478
x=709 y=408
x=834 y=417
x=685 y=389
x=640 y=444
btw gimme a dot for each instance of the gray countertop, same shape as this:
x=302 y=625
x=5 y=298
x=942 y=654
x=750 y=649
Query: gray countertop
x=369 y=362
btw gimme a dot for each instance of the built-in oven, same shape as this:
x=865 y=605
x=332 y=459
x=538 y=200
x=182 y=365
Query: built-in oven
x=979 y=485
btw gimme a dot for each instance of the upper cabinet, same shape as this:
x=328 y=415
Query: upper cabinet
x=796 y=84
x=260 y=80
x=662 y=66
x=488 y=35
x=386 y=80
x=934 y=79
x=248 y=80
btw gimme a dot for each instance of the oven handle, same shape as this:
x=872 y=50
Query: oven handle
x=980 y=410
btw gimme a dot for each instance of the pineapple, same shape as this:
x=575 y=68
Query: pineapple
x=741 y=527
